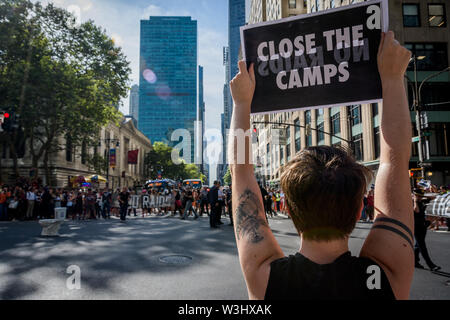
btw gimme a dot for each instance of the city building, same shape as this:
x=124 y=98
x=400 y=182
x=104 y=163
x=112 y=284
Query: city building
x=72 y=161
x=134 y=104
x=168 y=78
x=422 y=27
x=236 y=19
x=201 y=141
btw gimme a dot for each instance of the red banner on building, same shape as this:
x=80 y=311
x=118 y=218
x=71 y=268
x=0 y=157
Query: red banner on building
x=112 y=158
x=133 y=156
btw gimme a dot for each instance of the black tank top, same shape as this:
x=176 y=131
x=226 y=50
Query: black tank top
x=298 y=278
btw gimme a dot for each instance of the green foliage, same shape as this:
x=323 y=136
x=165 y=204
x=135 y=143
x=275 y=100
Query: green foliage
x=227 y=177
x=159 y=160
x=62 y=79
x=98 y=163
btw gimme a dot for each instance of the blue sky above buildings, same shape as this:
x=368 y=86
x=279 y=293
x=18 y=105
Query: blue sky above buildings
x=121 y=20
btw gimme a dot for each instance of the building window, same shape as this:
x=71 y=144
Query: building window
x=83 y=152
x=376 y=138
x=281 y=156
x=336 y=124
x=436 y=15
x=357 y=147
x=411 y=17
x=308 y=123
x=69 y=148
x=355 y=114
x=438 y=141
x=298 y=145
x=288 y=152
x=374 y=109
x=435 y=56
x=292 y=4
x=332 y=4
x=320 y=134
x=319 y=112
x=297 y=135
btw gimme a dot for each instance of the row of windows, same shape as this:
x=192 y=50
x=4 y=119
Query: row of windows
x=335 y=121
x=293 y=4
x=436 y=15
x=433 y=56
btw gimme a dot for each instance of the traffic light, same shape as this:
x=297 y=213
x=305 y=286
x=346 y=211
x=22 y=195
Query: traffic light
x=415 y=173
x=5 y=118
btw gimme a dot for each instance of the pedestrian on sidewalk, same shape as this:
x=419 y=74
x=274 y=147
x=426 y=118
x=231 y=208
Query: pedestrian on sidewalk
x=31 y=199
x=189 y=199
x=420 y=231
x=124 y=197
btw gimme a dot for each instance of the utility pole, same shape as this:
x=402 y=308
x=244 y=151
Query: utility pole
x=418 y=117
x=108 y=146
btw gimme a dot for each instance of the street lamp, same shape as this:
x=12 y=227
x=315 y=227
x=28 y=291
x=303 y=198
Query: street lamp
x=108 y=145
x=417 y=105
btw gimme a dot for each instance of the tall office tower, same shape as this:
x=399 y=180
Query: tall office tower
x=222 y=165
x=236 y=19
x=201 y=119
x=168 y=78
x=134 y=103
x=227 y=104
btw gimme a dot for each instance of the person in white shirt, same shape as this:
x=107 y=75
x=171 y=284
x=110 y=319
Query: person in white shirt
x=31 y=198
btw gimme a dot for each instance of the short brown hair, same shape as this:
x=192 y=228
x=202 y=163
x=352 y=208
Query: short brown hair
x=324 y=188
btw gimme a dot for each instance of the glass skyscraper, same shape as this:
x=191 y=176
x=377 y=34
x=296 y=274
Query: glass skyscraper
x=236 y=16
x=134 y=103
x=168 y=78
x=236 y=19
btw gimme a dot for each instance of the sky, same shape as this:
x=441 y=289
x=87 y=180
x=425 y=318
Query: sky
x=121 y=21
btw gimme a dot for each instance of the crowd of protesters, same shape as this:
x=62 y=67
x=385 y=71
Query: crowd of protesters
x=23 y=203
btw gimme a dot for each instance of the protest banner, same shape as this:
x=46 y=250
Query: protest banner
x=439 y=207
x=317 y=60
x=151 y=201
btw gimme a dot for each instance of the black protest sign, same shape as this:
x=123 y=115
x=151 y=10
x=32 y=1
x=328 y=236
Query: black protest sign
x=324 y=59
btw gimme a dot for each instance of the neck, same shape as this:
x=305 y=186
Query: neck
x=323 y=252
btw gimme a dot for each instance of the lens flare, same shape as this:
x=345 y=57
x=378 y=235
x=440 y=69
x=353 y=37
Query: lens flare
x=149 y=76
x=163 y=92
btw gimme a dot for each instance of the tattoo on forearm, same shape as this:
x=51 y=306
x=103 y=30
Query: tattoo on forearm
x=248 y=219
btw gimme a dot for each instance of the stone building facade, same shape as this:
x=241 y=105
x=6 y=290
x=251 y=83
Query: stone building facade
x=72 y=162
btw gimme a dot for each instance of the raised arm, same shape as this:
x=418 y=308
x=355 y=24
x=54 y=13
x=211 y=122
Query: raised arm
x=390 y=242
x=256 y=244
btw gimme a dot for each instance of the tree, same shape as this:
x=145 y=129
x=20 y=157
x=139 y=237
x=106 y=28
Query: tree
x=159 y=161
x=63 y=80
x=227 y=177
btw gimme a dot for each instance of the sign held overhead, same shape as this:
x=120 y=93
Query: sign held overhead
x=317 y=60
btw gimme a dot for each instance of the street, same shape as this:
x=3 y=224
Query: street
x=136 y=260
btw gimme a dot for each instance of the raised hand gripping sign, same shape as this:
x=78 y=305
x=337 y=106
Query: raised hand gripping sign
x=317 y=60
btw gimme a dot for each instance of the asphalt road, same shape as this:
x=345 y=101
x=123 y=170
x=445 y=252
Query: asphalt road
x=135 y=260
